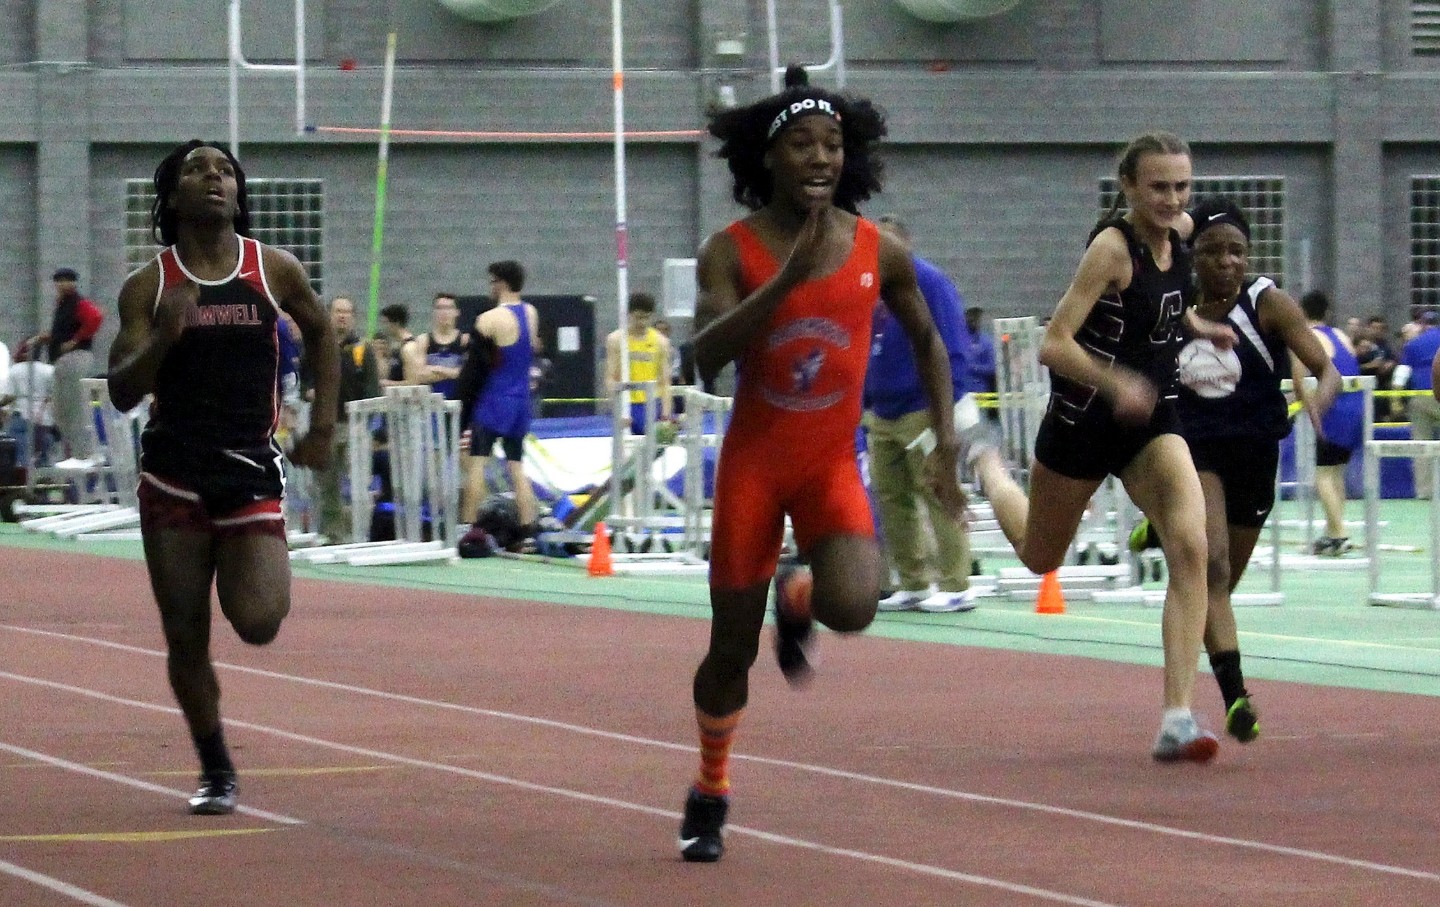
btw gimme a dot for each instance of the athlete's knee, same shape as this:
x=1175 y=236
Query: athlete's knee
x=1042 y=562
x=261 y=627
x=850 y=615
x=730 y=658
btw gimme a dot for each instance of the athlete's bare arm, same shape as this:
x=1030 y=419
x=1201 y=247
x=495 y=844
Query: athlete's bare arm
x=147 y=331
x=291 y=286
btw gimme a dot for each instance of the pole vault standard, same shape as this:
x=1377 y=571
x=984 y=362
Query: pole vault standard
x=238 y=62
x=619 y=403
x=382 y=173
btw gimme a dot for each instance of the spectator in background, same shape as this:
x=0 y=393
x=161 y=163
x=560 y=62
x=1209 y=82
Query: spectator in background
x=395 y=326
x=921 y=541
x=649 y=360
x=72 y=331
x=1341 y=430
x=435 y=358
x=359 y=379
x=980 y=356
x=1377 y=357
x=503 y=406
x=1415 y=374
x=27 y=403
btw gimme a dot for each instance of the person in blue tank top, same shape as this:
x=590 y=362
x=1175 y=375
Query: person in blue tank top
x=1233 y=416
x=1341 y=433
x=503 y=407
x=1111 y=349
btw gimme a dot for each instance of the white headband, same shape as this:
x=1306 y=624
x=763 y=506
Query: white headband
x=797 y=109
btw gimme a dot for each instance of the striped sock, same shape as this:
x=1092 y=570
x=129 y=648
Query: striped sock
x=716 y=737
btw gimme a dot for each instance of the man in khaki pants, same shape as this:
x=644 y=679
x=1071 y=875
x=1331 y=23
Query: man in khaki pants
x=921 y=543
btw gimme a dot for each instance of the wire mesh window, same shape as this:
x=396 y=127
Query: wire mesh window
x=1425 y=27
x=287 y=214
x=1425 y=240
x=1262 y=198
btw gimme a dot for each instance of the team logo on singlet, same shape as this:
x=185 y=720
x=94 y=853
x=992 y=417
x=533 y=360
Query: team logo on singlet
x=867 y=280
x=804 y=367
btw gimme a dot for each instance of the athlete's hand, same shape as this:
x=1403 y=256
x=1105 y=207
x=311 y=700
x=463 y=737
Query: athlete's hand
x=942 y=477
x=1132 y=398
x=315 y=448
x=173 y=311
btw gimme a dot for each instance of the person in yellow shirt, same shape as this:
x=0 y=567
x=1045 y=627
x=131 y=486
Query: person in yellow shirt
x=649 y=360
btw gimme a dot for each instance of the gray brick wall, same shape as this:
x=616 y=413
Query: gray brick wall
x=1000 y=129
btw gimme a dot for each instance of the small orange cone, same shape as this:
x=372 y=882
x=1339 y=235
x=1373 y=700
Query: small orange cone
x=1050 y=600
x=600 y=563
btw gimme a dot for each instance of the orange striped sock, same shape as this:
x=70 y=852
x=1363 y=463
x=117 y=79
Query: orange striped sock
x=716 y=737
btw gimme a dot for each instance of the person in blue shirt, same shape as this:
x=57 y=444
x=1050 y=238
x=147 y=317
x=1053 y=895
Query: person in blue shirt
x=921 y=542
x=1417 y=357
x=980 y=356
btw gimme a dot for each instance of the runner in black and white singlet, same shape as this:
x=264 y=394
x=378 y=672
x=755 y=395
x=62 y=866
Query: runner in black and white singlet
x=1110 y=349
x=1233 y=416
x=198 y=331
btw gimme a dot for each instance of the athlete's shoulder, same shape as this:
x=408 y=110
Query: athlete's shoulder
x=142 y=283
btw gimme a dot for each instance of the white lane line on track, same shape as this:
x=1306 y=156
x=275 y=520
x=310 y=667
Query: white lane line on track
x=950 y=793
x=128 y=781
x=923 y=869
x=73 y=892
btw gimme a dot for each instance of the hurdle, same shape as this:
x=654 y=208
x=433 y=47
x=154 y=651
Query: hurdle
x=654 y=547
x=424 y=442
x=112 y=482
x=1415 y=450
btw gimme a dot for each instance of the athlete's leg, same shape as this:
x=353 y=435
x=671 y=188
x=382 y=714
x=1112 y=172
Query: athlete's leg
x=1162 y=481
x=524 y=491
x=736 y=616
x=1219 y=617
x=181 y=569
x=472 y=486
x=252 y=581
x=1330 y=488
x=1055 y=502
x=847 y=571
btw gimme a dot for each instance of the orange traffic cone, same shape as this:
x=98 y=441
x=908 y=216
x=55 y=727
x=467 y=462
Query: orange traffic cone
x=1050 y=600
x=600 y=563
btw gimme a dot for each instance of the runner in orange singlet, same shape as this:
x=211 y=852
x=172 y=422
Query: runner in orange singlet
x=788 y=294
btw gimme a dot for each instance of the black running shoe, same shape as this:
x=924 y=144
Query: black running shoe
x=1242 y=721
x=216 y=796
x=794 y=636
x=702 y=832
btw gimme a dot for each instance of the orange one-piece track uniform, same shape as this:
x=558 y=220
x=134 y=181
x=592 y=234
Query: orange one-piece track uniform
x=790 y=447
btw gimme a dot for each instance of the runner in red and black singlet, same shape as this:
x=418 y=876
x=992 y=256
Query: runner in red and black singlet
x=198 y=331
x=216 y=407
x=787 y=294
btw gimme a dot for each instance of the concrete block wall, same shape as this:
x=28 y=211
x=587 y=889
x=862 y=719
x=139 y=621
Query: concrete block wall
x=1000 y=130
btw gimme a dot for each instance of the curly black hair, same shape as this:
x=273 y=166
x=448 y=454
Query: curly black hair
x=744 y=135
x=1213 y=210
x=167 y=177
